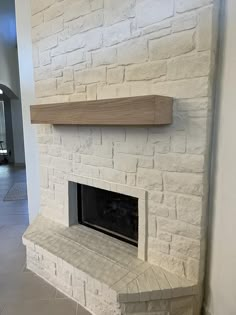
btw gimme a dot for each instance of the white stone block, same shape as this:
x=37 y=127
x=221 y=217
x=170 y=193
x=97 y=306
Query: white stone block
x=42 y=73
x=133 y=51
x=78 y=97
x=186 y=246
x=113 y=175
x=190 y=88
x=185 y=22
x=115 y=11
x=131 y=179
x=115 y=75
x=171 y=46
x=117 y=33
x=183 y=67
x=134 y=308
x=164 y=236
x=204 y=32
x=161 y=246
x=184 y=183
x=139 y=88
x=178 y=143
x=196 y=135
x=75 y=57
x=153 y=11
x=76 y=9
x=90 y=21
x=54 y=150
x=86 y=170
x=155 y=196
x=38 y=6
x=62 y=165
x=180 y=163
x=64 y=87
x=90 y=76
x=92 y=92
x=46 y=29
x=45 y=58
x=162 y=146
x=149 y=179
x=179 y=228
x=146 y=71
x=93 y=39
x=168 y=262
x=96 y=161
x=96 y=4
x=54 y=11
x=37 y=19
x=159 y=210
x=59 y=62
x=68 y=75
x=106 y=91
x=104 y=57
x=134 y=148
x=104 y=150
x=123 y=90
x=79 y=294
x=170 y=200
x=45 y=88
x=189 y=209
x=73 y=43
x=187 y=5
x=195 y=108
x=45 y=139
x=157 y=27
x=145 y=162
x=125 y=163
x=193 y=269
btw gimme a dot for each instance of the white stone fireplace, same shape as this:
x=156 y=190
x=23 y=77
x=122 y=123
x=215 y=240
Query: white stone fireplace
x=121 y=160
x=91 y=50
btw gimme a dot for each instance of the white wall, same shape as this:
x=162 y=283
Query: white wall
x=8 y=50
x=23 y=16
x=9 y=76
x=221 y=279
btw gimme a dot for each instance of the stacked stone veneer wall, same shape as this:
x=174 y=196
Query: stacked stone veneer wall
x=93 y=49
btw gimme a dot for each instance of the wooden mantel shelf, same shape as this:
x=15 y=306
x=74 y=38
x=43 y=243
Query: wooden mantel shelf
x=139 y=110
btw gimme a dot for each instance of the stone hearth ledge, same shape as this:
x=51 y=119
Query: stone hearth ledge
x=104 y=274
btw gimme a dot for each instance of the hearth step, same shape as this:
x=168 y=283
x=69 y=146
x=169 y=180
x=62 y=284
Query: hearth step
x=97 y=270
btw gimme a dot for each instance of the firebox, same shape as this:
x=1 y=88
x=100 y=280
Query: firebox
x=108 y=212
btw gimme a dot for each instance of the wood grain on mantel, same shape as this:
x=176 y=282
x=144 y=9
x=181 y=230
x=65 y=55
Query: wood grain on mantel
x=139 y=110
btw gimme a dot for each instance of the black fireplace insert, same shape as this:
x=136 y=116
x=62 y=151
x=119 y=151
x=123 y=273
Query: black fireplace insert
x=109 y=212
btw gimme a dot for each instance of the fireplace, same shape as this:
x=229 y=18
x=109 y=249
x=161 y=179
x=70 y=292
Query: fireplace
x=109 y=212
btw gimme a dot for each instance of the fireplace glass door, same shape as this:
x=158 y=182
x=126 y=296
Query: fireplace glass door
x=109 y=212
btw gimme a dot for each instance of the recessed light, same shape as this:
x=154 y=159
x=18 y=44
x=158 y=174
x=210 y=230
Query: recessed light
x=1 y=91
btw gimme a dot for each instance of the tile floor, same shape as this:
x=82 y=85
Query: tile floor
x=21 y=292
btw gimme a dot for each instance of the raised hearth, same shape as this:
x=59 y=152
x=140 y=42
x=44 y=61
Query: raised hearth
x=103 y=273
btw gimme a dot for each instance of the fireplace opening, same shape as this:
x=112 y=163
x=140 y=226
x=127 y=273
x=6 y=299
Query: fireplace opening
x=108 y=212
